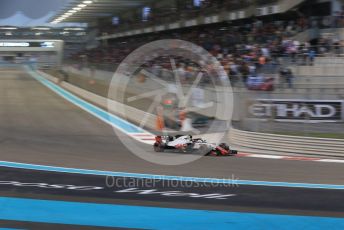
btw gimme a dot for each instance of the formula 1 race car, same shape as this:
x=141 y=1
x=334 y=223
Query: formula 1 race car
x=187 y=144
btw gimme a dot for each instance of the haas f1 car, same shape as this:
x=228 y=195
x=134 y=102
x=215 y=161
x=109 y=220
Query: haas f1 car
x=187 y=144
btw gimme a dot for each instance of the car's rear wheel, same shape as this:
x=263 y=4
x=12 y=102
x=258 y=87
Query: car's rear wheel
x=234 y=152
x=158 y=148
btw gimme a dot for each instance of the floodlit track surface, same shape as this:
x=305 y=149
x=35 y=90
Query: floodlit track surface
x=39 y=127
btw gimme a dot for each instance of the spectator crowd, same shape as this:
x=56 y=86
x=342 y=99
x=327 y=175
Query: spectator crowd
x=248 y=52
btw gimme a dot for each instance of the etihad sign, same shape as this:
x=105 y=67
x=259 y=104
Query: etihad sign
x=296 y=110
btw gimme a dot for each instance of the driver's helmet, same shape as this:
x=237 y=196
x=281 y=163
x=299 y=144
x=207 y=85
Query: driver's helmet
x=224 y=146
x=187 y=137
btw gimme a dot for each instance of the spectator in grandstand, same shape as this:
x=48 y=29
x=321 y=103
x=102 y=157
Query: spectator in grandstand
x=245 y=72
x=311 y=56
x=286 y=76
x=336 y=46
x=252 y=68
x=261 y=62
x=293 y=47
x=303 y=52
x=265 y=52
x=233 y=71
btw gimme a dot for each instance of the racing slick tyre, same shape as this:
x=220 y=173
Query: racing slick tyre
x=158 y=148
x=189 y=148
x=234 y=152
x=203 y=150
